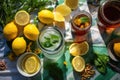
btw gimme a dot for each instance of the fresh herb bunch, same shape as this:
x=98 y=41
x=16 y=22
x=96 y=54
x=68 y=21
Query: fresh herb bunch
x=100 y=62
x=8 y=8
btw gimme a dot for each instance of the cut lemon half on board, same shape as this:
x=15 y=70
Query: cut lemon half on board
x=63 y=9
x=31 y=64
x=22 y=18
x=78 y=63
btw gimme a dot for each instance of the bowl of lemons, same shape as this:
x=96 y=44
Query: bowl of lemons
x=28 y=64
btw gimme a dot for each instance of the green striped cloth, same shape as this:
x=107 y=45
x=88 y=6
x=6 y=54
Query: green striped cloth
x=59 y=71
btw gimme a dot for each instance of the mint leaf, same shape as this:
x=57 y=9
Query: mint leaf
x=84 y=19
x=54 y=39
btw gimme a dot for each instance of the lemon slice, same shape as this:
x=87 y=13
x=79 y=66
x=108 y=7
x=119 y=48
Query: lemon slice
x=75 y=49
x=22 y=18
x=58 y=17
x=78 y=63
x=31 y=64
x=46 y=16
x=63 y=9
x=84 y=46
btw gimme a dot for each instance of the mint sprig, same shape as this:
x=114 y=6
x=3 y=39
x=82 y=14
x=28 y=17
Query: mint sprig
x=84 y=19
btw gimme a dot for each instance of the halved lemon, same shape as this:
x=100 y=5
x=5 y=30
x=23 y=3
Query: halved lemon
x=63 y=9
x=58 y=17
x=31 y=64
x=75 y=49
x=78 y=63
x=22 y=18
x=84 y=47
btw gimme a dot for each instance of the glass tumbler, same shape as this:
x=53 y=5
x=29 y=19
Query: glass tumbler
x=51 y=41
x=109 y=15
x=80 y=24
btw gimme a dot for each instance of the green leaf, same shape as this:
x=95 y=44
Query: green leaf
x=54 y=39
x=84 y=19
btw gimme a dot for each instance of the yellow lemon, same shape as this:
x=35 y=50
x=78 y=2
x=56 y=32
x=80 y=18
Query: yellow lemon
x=30 y=64
x=73 y=4
x=31 y=32
x=46 y=16
x=63 y=9
x=59 y=20
x=84 y=47
x=22 y=18
x=10 y=31
x=78 y=63
x=116 y=48
x=58 y=17
x=75 y=49
x=19 y=45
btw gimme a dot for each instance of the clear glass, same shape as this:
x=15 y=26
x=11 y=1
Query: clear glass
x=109 y=14
x=51 y=42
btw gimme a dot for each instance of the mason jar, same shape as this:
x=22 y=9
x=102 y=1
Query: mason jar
x=80 y=24
x=51 y=41
x=109 y=14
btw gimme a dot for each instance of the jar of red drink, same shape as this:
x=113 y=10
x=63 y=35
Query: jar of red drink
x=109 y=14
x=81 y=23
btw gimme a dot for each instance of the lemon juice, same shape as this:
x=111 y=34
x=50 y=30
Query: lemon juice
x=51 y=42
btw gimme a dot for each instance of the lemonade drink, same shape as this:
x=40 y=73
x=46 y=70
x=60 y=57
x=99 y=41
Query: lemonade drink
x=51 y=42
